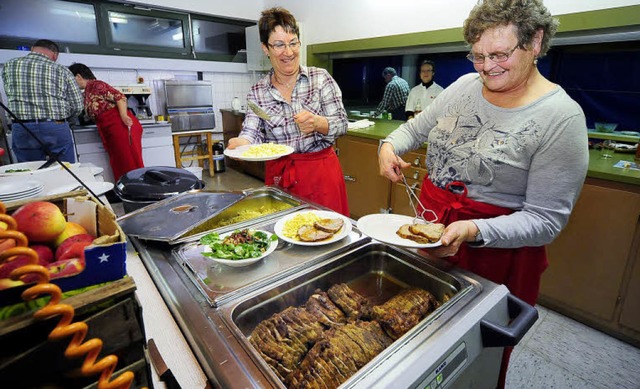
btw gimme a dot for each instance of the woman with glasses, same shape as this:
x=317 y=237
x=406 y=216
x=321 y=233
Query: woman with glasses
x=507 y=151
x=303 y=109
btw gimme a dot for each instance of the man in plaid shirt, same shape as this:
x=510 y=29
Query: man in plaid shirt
x=395 y=95
x=43 y=95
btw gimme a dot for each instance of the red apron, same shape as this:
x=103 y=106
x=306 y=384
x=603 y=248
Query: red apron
x=315 y=176
x=123 y=157
x=519 y=269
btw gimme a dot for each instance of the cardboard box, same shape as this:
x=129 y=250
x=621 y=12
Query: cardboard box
x=105 y=258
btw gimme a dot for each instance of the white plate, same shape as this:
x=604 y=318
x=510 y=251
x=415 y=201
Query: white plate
x=241 y=262
x=383 y=227
x=17 y=188
x=344 y=231
x=237 y=154
x=162 y=122
x=98 y=188
x=95 y=170
x=32 y=166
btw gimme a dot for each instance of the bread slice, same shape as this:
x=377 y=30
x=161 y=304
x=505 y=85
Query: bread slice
x=405 y=233
x=432 y=231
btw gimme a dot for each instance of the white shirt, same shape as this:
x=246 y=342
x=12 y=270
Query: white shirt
x=422 y=94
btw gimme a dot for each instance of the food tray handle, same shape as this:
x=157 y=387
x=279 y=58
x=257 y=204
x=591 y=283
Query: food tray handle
x=521 y=315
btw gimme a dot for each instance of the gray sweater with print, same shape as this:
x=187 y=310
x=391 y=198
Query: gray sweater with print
x=532 y=159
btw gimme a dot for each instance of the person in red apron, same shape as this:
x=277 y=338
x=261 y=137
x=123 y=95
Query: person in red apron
x=119 y=129
x=300 y=107
x=507 y=152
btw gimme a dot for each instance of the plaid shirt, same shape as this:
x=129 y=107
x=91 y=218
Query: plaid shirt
x=395 y=95
x=315 y=91
x=38 y=88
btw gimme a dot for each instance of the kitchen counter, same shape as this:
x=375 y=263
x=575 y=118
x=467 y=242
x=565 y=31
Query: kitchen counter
x=598 y=167
x=93 y=127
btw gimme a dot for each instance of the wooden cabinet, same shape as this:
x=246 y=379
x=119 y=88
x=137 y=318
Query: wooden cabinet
x=415 y=175
x=593 y=272
x=231 y=127
x=367 y=191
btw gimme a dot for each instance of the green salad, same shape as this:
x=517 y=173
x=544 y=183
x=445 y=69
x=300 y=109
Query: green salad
x=240 y=244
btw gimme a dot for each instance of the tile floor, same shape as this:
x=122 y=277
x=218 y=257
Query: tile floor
x=557 y=352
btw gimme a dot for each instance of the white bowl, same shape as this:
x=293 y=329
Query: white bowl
x=242 y=262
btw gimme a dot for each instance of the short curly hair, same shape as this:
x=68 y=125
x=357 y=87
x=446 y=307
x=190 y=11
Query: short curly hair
x=274 y=17
x=528 y=16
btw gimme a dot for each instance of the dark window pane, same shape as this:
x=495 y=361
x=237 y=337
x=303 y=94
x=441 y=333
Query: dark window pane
x=217 y=38
x=145 y=30
x=59 y=21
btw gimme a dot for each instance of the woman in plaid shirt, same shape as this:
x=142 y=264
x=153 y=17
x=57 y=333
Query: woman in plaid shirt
x=305 y=111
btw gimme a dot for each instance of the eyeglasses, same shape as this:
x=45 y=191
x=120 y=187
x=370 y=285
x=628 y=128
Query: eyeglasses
x=279 y=47
x=494 y=57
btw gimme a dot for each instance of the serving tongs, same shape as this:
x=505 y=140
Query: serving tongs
x=414 y=199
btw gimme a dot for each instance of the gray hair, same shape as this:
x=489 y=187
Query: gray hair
x=528 y=16
x=389 y=70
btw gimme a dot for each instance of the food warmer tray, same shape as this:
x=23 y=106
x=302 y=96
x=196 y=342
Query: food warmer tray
x=188 y=216
x=455 y=346
x=220 y=283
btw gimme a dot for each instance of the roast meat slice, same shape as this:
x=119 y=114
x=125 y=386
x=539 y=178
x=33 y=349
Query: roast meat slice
x=403 y=311
x=331 y=226
x=338 y=355
x=309 y=233
x=284 y=338
x=324 y=310
x=354 y=305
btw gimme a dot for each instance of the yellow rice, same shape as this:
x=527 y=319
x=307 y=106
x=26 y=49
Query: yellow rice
x=264 y=150
x=291 y=226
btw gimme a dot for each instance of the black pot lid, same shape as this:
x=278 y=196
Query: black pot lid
x=155 y=183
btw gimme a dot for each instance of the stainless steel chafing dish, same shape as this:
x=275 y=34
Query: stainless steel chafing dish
x=459 y=345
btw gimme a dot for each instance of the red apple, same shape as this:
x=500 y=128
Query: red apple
x=7 y=267
x=64 y=247
x=66 y=267
x=70 y=230
x=45 y=254
x=6 y=244
x=75 y=250
x=40 y=221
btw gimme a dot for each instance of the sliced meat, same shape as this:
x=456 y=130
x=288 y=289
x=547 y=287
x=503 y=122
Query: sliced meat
x=405 y=233
x=431 y=231
x=329 y=225
x=324 y=310
x=354 y=305
x=403 y=311
x=342 y=351
x=308 y=233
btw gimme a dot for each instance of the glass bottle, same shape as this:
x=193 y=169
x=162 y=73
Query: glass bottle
x=235 y=104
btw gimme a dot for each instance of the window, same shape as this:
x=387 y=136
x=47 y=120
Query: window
x=133 y=30
x=59 y=21
x=215 y=39
x=105 y=27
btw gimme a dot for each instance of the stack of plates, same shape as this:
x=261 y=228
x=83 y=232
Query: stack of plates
x=12 y=191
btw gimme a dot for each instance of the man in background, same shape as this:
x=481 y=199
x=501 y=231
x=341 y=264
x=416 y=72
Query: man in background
x=43 y=95
x=423 y=94
x=395 y=95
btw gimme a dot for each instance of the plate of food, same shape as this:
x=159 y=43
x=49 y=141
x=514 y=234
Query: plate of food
x=259 y=152
x=401 y=230
x=22 y=168
x=238 y=248
x=312 y=227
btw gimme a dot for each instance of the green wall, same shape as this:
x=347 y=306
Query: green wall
x=318 y=54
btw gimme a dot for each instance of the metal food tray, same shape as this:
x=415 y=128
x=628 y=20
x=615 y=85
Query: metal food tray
x=220 y=283
x=255 y=199
x=374 y=270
